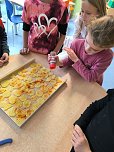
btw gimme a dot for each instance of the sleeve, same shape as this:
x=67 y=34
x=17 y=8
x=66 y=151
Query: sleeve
x=5 y=48
x=25 y=13
x=62 y=28
x=26 y=27
x=64 y=59
x=65 y=17
x=93 y=109
x=100 y=65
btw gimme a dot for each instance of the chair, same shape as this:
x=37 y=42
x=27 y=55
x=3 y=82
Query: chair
x=15 y=19
x=19 y=8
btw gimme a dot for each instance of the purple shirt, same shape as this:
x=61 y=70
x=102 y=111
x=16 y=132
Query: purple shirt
x=90 y=67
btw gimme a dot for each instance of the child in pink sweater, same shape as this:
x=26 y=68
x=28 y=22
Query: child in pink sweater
x=91 y=57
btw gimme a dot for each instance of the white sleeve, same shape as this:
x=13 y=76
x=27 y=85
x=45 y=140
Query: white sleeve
x=62 y=56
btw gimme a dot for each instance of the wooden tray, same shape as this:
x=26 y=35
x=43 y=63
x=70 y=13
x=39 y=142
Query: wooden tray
x=24 y=90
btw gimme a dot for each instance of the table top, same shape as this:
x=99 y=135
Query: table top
x=50 y=128
x=18 y=2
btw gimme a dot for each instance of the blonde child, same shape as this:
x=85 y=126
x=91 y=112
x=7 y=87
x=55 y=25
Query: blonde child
x=90 y=10
x=44 y=27
x=90 y=57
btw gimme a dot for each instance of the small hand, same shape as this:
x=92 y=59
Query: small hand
x=56 y=58
x=79 y=141
x=5 y=57
x=24 y=51
x=71 y=54
x=1 y=63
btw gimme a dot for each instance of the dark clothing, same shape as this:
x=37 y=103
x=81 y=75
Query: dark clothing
x=3 y=40
x=97 y=123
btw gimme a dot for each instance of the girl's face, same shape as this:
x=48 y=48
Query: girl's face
x=88 y=12
x=90 y=48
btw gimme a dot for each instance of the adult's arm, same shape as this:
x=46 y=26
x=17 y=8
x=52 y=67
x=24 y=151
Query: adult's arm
x=93 y=109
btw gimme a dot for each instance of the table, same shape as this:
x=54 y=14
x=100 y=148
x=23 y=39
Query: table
x=18 y=2
x=50 y=128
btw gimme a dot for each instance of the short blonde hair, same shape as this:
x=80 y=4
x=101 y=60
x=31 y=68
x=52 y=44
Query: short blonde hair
x=102 y=31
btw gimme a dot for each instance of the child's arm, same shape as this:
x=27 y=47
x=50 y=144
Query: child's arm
x=60 y=43
x=62 y=28
x=25 y=39
x=26 y=28
x=92 y=73
x=4 y=46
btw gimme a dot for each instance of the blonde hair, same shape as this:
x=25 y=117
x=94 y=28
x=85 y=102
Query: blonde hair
x=100 y=5
x=102 y=31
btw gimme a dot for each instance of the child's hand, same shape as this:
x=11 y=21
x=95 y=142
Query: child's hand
x=24 y=51
x=79 y=141
x=71 y=54
x=1 y=63
x=50 y=57
x=5 y=58
x=56 y=58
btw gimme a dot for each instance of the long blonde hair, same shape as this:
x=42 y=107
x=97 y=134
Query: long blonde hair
x=102 y=31
x=100 y=5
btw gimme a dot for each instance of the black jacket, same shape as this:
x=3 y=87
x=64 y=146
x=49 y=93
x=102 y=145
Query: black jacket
x=3 y=40
x=97 y=123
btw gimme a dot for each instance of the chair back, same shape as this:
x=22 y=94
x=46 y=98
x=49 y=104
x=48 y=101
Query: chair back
x=9 y=9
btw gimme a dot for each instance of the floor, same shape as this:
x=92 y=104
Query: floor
x=15 y=44
x=14 y=41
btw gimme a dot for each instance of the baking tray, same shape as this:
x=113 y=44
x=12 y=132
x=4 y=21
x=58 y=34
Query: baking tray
x=24 y=90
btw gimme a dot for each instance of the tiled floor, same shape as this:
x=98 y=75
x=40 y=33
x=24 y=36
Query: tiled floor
x=14 y=48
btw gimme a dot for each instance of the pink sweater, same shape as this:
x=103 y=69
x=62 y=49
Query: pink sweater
x=90 y=67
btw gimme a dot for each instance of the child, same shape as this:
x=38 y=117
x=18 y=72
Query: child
x=90 y=9
x=4 y=49
x=90 y=57
x=94 y=130
x=45 y=24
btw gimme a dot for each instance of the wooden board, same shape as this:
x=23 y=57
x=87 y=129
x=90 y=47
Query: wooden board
x=26 y=89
